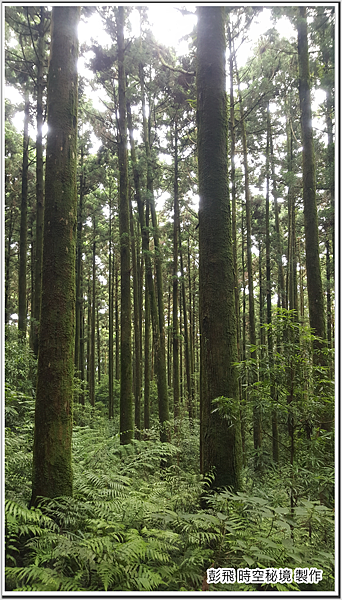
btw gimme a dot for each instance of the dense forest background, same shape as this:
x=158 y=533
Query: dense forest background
x=160 y=481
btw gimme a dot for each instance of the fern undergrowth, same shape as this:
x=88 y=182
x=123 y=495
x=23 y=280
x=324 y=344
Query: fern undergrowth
x=134 y=526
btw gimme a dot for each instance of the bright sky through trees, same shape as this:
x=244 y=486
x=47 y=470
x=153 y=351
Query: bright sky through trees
x=171 y=26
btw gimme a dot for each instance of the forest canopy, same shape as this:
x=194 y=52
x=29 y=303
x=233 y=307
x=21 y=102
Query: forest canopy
x=169 y=239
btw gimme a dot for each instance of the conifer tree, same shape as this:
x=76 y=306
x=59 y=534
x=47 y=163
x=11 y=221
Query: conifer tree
x=220 y=433
x=52 y=470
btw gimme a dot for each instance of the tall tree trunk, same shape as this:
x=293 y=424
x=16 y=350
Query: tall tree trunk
x=137 y=344
x=39 y=182
x=147 y=362
x=257 y=439
x=79 y=251
x=274 y=397
x=7 y=265
x=93 y=323
x=98 y=342
x=220 y=445
x=169 y=340
x=261 y=301
x=22 y=308
x=52 y=470
x=186 y=337
x=82 y=334
x=233 y=184
x=117 y=325
x=126 y=406
x=313 y=271
x=110 y=318
x=158 y=327
x=281 y=279
x=175 y=326
x=327 y=246
x=191 y=334
x=292 y=293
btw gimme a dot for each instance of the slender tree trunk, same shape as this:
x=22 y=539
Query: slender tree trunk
x=257 y=438
x=93 y=323
x=39 y=182
x=126 y=406
x=7 y=266
x=137 y=345
x=314 y=280
x=79 y=251
x=30 y=300
x=191 y=335
x=117 y=325
x=157 y=311
x=186 y=337
x=88 y=330
x=82 y=333
x=292 y=293
x=233 y=184
x=327 y=246
x=274 y=397
x=281 y=279
x=147 y=362
x=52 y=470
x=22 y=309
x=175 y=327
x=261 y=302
x=110 y=320
x=220 y=445
x=98 y=342
x=168 y=357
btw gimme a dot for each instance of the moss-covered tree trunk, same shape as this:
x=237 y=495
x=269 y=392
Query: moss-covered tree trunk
x=126 y=406
x=314 y=280
x=220 y=433
x=52 y=469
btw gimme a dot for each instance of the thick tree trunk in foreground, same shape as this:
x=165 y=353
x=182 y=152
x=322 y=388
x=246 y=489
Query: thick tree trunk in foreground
x=220 y=433
x=52 y=471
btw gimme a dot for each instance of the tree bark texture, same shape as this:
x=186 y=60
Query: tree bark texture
x=220 y=434
x=52 y=469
